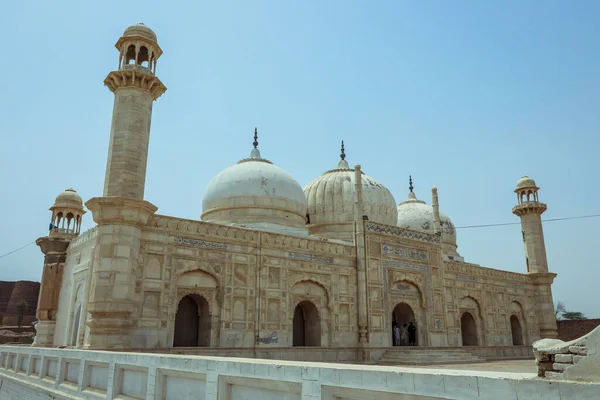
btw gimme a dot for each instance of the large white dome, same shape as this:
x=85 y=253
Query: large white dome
x=417 y=215
x=330 y=200
x=255 y=193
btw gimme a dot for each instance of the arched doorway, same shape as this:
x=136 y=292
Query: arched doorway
x=403 y=314
x=517 y=332
x=192 y=322
x=307 y=325
x=468 y=329
x=75 y=328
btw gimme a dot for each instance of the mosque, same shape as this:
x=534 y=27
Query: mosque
x=270 y=264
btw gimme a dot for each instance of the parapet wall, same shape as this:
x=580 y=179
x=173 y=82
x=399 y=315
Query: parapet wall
x=27 y=372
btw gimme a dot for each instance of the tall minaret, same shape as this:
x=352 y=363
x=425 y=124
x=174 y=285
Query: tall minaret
x=122 y=212
x=530 y=210
x=135 y=87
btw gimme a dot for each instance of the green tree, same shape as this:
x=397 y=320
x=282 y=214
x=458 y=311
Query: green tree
x=573 y=315
x=22 y=308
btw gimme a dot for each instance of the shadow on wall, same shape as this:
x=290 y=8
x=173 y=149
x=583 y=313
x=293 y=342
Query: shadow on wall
x=572 y=329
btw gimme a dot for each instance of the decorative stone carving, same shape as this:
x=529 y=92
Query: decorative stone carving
x=404 y=252
x=401 y=232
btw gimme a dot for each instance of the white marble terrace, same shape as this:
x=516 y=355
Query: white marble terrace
x=37 y=373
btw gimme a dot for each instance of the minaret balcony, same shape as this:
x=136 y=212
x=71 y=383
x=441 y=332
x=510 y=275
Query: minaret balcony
x=136 y=67
x=529 y=207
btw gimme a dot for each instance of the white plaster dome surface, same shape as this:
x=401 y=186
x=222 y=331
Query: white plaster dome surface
x=256 y=193
x=257 y=179
x=69 y=198
x=417 y=215
x=331 y=199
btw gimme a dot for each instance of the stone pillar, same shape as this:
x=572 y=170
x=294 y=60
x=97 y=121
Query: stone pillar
x=544 y=304
x=112 y=291
x=55 y=254
x=437 y=227
x=359 y=244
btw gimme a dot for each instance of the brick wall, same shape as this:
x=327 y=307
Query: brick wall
x=574 y=329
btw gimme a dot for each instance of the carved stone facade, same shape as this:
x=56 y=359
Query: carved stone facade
x=261 y=273
x=253 y=282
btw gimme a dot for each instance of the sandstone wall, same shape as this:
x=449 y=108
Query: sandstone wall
x=20 y=291
x=573 y=329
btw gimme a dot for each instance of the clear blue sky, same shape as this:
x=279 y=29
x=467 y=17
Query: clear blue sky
x=467 y=96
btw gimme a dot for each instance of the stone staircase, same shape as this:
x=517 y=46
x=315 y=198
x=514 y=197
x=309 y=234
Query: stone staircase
x=428 y=356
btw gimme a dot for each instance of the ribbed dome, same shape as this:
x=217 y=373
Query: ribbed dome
x=68 y=198
x=417 y=215
x=258 y=194
x=330 y=200
x=140 y=30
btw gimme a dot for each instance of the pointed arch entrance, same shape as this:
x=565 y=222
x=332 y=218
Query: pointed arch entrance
x=309 y=313
x=516 y=330
x=407 y=305
x=307 y=325
x=402 y=316
x=518 y=324
x=468 y=329
x=192 y=322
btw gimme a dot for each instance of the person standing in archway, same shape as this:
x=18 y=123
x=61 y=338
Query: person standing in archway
x=404 y=335
x=396 y=335
x=412 y=334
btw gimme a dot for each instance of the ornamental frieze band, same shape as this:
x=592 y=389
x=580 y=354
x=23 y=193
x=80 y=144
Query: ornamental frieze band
x=310 y=257
x=200 y=243
x=466 y=278
x=405 y=233
x=404 y=252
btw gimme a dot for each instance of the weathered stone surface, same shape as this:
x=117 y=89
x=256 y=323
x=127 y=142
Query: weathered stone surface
x=578 y=350
x=563 y=358
x=576 y=359
x=550 y=374
x=560 y=366
x=545 y=366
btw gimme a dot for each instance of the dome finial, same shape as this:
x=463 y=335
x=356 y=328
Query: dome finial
x=255 y=143
x=410 y=185
x=343 y=155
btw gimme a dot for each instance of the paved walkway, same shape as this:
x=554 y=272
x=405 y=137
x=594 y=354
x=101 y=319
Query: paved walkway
x=519 y=366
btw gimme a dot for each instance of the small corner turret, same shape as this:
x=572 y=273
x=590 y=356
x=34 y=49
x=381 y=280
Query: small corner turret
x=67 y=213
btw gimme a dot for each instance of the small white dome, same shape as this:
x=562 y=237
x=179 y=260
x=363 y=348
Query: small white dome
x=140 y=30
x=256 y=193
x=330 y=200
x=526 y=182
x=417 y=215
x=68 y=198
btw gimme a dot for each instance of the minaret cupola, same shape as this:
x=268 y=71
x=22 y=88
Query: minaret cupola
x=67 y=213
